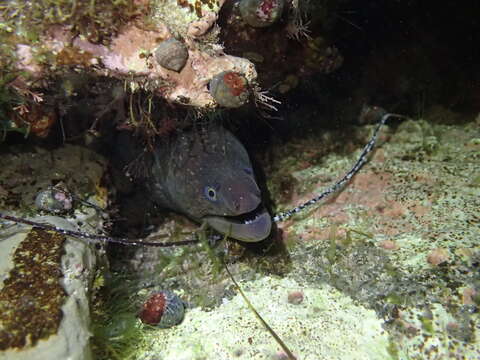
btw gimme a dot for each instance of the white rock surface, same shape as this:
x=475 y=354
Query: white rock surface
x=78 y=268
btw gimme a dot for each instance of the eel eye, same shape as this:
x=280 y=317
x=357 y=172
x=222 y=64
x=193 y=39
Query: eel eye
x=210 y=193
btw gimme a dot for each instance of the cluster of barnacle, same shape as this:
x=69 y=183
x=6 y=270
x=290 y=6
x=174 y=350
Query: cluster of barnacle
x=230 y=89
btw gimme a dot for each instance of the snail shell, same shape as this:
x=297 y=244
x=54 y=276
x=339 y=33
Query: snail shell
x=261 y=13
x=163 y=309
x=54 y=200
x=229 y=89
x=171 y=54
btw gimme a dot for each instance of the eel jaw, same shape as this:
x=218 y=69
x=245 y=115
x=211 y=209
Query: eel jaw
x=252 y=229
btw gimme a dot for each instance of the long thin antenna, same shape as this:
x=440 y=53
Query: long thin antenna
x=92 y=237
x=355 y=169
x=259 y=317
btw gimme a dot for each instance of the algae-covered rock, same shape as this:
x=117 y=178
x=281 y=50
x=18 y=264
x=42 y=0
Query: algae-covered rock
x=45 y=276
x=44 y=299
x=31 y=295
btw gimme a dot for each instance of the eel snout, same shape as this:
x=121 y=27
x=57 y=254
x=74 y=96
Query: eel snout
x=251 y=227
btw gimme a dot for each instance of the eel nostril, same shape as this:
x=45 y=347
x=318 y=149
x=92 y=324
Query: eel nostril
x=236 y=205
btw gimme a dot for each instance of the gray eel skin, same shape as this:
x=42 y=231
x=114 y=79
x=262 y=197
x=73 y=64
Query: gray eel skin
x=208 y=177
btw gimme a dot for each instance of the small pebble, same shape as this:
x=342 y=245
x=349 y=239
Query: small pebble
x=388 y=245
x=468 y=296
x=295 y=297
x=438 y=256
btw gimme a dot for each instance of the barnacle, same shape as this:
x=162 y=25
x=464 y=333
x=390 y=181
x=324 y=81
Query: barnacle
x=261 y=13
x=163 y=309
x=229 y=89
x=172 y=54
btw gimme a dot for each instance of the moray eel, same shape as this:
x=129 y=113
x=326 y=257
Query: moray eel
x=208 y=177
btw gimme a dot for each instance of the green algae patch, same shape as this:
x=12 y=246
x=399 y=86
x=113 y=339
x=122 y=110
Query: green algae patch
x=117 y=332
x=95 y=20
x=31 y=297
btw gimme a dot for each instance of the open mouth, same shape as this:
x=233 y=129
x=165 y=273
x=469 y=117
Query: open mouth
x=250 y=227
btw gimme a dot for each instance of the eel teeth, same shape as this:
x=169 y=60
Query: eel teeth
x=249 y=221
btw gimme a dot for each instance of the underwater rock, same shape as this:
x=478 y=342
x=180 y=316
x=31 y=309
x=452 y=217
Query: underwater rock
x=261 y=13
x=163 y=309
x=127 y=53
x=420 y=212
x=229 y=89
x=172 y=54
x=54 y=200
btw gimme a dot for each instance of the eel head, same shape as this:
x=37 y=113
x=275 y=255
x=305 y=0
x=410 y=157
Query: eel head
x=212 y=181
